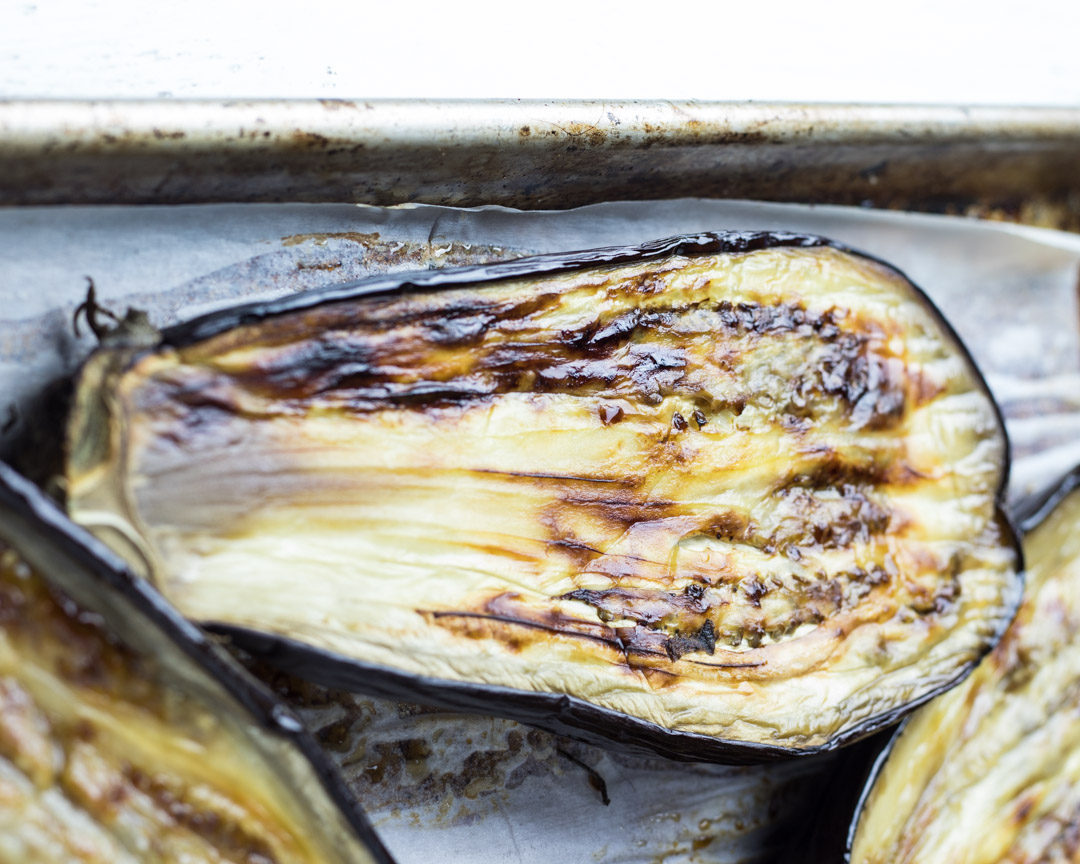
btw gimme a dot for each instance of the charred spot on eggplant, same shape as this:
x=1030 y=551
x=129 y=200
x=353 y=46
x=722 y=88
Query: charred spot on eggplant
x=991 y=770
x=125 y=736
x=726 y=496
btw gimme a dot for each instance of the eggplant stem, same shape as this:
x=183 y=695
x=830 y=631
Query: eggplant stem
x=91 y=310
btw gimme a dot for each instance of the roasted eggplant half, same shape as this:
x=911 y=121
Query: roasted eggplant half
x=725 y=496
x=125 y=735
x=991 y=770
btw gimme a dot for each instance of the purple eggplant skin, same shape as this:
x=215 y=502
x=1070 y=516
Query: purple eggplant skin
x=559 y=712
x=821 y=837
x=1030 y=512
x=125 y=614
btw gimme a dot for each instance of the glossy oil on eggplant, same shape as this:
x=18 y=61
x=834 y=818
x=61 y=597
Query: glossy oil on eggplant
x=991 y=770
x=125 y=737
x=724 y=496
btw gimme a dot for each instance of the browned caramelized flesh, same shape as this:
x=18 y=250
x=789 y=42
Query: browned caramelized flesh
x=991 y=770
x=750 y=496
x=102 y=760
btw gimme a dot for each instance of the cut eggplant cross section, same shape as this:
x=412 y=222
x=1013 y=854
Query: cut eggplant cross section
x=723 y=496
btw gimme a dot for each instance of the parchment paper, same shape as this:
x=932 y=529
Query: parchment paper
x=475 y=789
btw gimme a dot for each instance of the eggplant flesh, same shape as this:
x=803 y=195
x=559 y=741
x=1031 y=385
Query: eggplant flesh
x=724 y=496
x=991 y=770
x=124 y=736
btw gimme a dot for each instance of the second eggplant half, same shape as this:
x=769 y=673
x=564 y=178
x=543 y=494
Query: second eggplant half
x=127 y=735
x=726 y=497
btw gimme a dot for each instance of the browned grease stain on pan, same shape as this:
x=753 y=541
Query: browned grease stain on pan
x=436 y=768
x=383 y=254
x=425 y=761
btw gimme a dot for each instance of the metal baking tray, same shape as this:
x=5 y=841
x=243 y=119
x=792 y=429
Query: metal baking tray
x=473 y=788
x=1015 y=163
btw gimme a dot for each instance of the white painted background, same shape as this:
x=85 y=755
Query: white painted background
x=894 y=51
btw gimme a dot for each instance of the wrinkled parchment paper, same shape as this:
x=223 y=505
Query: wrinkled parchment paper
x=476 y=789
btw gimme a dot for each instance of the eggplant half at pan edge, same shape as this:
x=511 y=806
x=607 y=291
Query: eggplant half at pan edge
x=726 y=497
x=126 y=736
x=991 y=770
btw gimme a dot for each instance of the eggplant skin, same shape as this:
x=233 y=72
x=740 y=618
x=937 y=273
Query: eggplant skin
x=126 y=736
x=725 y=497
x=991 y=770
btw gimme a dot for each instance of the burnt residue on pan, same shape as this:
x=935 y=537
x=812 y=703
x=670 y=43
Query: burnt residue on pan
x=422 y=769
x=1016 y=163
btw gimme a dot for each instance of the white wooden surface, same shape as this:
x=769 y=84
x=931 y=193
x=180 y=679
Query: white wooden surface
x=936 y=51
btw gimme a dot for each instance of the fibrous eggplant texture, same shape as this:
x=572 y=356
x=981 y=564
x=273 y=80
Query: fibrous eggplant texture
x=724 y=495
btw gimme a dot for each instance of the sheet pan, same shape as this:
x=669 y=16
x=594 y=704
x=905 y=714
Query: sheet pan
x=477 y=789
x=1018 y=163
